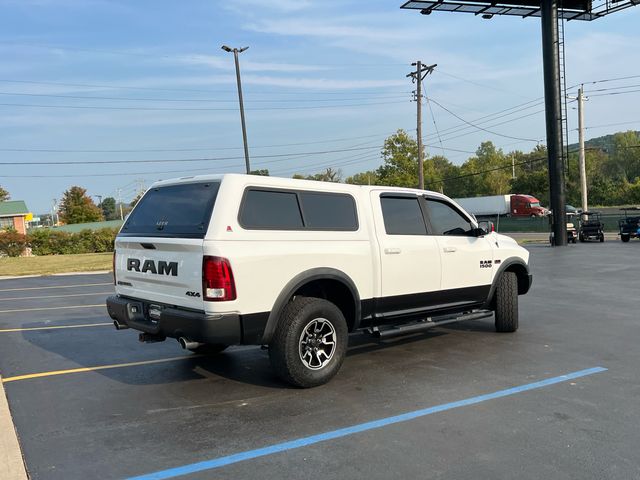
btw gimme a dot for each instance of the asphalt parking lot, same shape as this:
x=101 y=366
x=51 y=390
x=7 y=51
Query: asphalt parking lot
x=91 y=402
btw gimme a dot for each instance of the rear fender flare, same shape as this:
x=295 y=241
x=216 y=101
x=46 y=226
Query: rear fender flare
x=300 y=280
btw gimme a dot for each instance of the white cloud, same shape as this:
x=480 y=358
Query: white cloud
x=286 y=6
x=246 y=64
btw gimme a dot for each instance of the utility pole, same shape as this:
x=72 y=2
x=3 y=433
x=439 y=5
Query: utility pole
x=421 y=72
x=581 y=156
x=141 y=186
x=54 y=212
x=236 y=51
x=118 y=195
x=513 y=167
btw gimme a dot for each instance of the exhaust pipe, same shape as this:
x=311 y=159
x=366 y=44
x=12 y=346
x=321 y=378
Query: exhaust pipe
x=187 y=344
x=120 y=326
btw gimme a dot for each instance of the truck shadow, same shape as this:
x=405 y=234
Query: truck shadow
x=102 y=346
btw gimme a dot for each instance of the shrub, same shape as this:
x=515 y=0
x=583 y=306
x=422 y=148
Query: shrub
x=12 y=243
x=54 y=242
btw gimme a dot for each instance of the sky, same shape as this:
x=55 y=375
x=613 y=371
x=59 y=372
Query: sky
x=95 y=81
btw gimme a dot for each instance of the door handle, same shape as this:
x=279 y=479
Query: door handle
x=450 y=249
x=392 y=251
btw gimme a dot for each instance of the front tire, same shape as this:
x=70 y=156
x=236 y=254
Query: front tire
x=601 y=237
x=310 y=342
x=625 y=238
x=506 y=304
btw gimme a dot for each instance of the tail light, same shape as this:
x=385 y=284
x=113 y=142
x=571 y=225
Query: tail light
x=217 y=280
x=114 y=267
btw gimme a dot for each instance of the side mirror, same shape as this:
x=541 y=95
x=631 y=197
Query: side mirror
x=486 y=227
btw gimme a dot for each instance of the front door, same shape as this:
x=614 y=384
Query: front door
x=467 y=260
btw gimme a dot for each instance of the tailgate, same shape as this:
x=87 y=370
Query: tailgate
x=163 y=270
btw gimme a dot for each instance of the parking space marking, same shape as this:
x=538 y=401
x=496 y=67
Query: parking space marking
x=359 y=428
x=51 y=308
x=93 y=369
x=56 y=296
x=54 y=286
x=54 y=327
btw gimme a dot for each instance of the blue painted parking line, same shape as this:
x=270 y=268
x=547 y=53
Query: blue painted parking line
x=362 y=427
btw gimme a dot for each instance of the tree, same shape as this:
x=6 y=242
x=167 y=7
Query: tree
x=77 y=207
x=4 y=195
x=109 y=208
x=364 y=178
x=328 y=175
x=400 y=155
x=262 y=172
x=135 y=201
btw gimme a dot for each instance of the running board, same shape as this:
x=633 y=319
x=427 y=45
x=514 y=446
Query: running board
x=430 y=322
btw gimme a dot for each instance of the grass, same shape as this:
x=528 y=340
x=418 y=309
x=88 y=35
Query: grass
x=50 y=264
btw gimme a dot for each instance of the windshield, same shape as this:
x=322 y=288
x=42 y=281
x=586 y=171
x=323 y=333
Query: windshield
x=173 y=211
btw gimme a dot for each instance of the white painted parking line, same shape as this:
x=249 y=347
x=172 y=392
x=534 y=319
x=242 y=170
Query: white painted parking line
x=55 y=286
x=51 y=308
x=55 y=296
x=54 y=327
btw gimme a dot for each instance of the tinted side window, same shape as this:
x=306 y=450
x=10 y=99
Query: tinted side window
x=402 y=216
x=328 y=211
x=445 y=220
x=270 y=209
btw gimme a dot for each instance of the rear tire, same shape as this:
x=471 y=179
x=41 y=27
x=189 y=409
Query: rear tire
x=581 y=238
x=506 y=309
x=625 y=238
x=209 y=349
x=310 y=342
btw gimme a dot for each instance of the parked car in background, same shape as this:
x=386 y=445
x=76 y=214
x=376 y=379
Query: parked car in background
x=629 y=226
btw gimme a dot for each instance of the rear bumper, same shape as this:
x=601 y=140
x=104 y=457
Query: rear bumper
x=175 y=322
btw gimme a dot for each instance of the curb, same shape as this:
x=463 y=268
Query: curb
x=12 y=465
x=17 y=277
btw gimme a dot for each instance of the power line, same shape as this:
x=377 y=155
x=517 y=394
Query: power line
x=612 y=124
x=613 y=93
x=100 y=107
x=481 y=128
x=195 y=149
x=200 y=100
x=609 y=80
x=435 y=124
x=214 y=159
x=191 y=90
x=473 y=82
x=612 y=88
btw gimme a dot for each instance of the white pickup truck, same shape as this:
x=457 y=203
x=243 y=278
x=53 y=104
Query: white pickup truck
x=296 y=265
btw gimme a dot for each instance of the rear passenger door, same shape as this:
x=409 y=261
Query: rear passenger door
x=467 y=260
x=409 y=257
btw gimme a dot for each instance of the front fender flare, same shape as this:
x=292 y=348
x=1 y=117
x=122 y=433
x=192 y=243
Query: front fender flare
x=505 y=264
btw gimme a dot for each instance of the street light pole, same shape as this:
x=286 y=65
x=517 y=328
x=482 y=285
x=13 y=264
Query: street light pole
x=236 y=51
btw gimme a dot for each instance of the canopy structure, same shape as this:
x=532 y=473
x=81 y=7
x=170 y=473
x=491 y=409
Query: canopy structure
x=567 y=10
x=552 y=15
